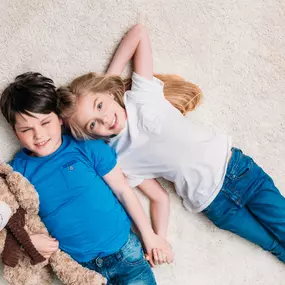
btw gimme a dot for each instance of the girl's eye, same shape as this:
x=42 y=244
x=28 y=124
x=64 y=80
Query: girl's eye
x=99 y=107
x=92 y=125
x=26 y=130
x=46 y=123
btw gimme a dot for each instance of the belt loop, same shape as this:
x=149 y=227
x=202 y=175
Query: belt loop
x=119 y=255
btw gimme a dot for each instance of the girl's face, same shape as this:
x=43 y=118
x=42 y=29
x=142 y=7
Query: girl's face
x=99 y=114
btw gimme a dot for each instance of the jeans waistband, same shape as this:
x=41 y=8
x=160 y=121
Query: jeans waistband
x=99 y=260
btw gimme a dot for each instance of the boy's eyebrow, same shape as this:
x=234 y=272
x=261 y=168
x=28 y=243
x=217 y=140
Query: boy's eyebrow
x=26 y=127
x=48 y=117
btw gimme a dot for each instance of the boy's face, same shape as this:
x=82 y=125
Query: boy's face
x=39 y=133
x=99 y=114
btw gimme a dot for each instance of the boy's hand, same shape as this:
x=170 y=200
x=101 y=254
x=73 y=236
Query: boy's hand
x=158 y=250
x=44 y=244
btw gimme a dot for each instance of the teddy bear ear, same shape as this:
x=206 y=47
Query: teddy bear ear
x=5 y=168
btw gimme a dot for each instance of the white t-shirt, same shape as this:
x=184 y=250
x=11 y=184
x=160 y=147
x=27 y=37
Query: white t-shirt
x=158 y=141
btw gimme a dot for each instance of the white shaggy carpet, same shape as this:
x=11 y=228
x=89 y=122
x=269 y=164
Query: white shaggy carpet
x=234 y=50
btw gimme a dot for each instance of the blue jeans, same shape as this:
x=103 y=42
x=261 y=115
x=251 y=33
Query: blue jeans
x=125 y=267
x=250 y=205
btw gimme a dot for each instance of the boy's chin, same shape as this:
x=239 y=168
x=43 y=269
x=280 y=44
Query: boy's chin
x=41 y=153
x=44 y=152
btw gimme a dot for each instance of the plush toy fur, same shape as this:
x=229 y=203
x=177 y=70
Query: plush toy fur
x=15 y=191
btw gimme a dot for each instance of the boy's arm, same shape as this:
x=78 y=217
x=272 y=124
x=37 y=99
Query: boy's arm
x=116 y=180
x=136 y=43
x=44 y=244
x=159 y=205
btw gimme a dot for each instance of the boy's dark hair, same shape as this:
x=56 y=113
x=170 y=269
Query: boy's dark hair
x=30 y=92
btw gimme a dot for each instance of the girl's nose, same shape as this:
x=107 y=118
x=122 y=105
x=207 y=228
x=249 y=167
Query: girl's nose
x=105 y=119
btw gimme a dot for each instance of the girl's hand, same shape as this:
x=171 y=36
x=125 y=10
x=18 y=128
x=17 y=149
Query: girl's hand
x=161 y=256
x=158 y=250
x=44 y=244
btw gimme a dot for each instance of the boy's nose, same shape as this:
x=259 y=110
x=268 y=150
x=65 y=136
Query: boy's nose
x=38 y=134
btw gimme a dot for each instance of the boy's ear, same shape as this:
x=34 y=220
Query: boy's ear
x=60 y=121
x=13 y=129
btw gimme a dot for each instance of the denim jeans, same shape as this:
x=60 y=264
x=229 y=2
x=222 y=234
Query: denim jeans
x=250 y=205
x=125 y=267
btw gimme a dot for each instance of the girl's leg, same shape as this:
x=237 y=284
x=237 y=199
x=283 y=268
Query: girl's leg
x=248 y=193
x=268 y=206
x=227 y=215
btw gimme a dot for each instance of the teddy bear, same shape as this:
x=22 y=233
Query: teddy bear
x=23 y=264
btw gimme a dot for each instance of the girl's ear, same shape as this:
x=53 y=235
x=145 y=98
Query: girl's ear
x=60 y=121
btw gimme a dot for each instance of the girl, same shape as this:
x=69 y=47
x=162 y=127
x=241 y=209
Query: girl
x=153 y=139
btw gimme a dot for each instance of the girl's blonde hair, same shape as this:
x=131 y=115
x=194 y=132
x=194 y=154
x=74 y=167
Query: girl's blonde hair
x=183 y=95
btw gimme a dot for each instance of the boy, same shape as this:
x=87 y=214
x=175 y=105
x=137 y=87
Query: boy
x=77 y=183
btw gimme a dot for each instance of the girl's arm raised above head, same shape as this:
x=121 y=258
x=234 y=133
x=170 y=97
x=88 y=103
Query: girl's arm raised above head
x=135 y=44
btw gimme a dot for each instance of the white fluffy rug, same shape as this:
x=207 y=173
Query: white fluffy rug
x=234 y=50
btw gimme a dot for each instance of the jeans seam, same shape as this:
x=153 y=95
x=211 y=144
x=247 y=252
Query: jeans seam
x=234 y=167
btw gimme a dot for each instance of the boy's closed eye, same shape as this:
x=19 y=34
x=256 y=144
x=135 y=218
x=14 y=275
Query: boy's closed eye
x=25 y=130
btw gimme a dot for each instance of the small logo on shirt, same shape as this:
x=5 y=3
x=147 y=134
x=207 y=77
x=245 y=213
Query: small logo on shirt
x=70 y=164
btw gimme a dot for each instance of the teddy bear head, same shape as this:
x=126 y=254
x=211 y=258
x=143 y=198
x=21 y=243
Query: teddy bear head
x=16 y=190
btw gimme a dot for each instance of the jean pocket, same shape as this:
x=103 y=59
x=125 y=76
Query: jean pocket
x=132 y=251
x=242 y=168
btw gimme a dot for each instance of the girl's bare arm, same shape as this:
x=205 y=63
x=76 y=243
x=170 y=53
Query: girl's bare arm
x=136 y=43
x=125 y=194
x=159 y=205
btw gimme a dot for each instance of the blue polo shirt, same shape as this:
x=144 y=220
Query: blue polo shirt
x=78 y=208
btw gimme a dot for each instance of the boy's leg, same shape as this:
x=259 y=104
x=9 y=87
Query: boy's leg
x=134 y=269
x=225 y=214
x=125 y=267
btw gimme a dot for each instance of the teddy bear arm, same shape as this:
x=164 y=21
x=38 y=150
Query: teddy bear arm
x=2 y=239
x=72 y=273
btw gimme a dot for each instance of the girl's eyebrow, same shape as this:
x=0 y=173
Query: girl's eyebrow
x=95 y=103
x=86 y=126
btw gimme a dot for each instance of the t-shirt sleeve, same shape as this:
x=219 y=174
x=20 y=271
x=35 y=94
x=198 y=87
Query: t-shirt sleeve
x=134 y=181
x=11 y=162
x=144 y=89
x=103 y=157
